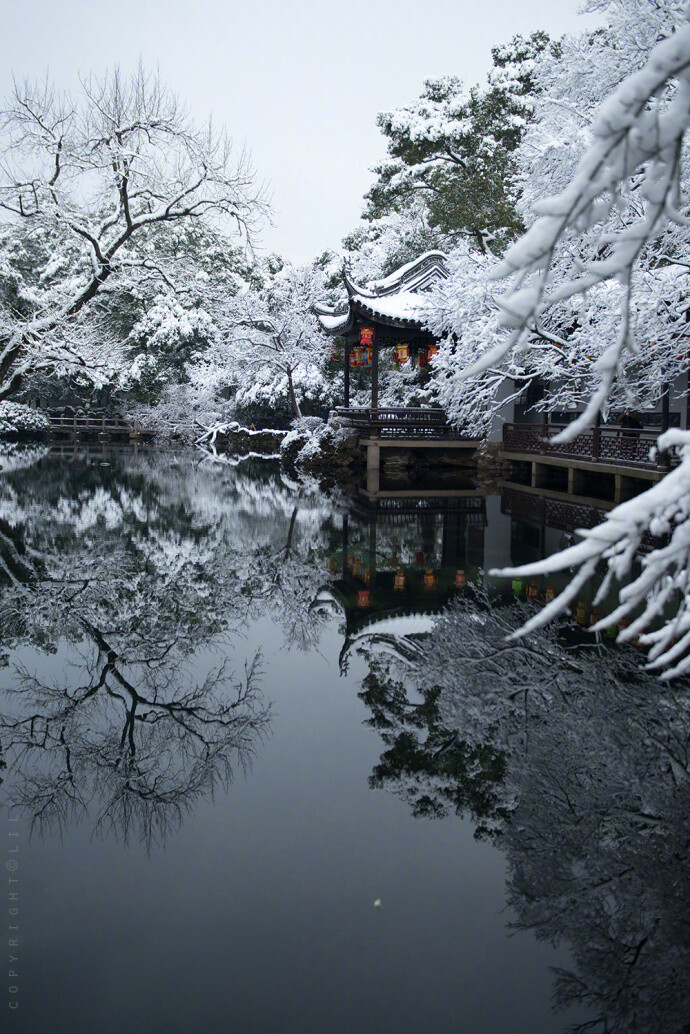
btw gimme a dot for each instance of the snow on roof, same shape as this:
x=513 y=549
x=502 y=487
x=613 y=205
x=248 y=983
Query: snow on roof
x=405 y=305
x=398 y=299
x=399 y=625
x=416 y=276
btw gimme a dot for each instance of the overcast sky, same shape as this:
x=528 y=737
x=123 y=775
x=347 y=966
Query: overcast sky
x=299 y=83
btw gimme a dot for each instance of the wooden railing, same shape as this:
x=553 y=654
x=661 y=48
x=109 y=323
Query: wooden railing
x=400 y=423
x=612 y=445
x=110 y=425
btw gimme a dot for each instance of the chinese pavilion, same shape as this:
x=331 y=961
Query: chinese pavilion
x=388 y=313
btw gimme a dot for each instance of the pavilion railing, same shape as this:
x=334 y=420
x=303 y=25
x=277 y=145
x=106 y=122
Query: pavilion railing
x=613 y=445
x=401 y=423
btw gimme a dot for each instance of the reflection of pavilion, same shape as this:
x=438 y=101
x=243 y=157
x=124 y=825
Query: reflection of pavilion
x=401 y=560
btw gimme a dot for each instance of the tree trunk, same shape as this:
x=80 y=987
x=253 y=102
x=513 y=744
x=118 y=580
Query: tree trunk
x=293 y=398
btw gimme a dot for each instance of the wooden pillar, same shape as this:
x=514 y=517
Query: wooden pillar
x=375 y=376
x=665 y=399
x=663 y=458
x=373 y=467
x=346 y=391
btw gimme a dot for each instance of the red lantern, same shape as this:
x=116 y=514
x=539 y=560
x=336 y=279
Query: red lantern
x=460 y=580
x=399 y=580
x=533 y=591
x=429 y=579
x=423 y=359
x=549 y=595
x=402 y=353
x=363 y=598
x=581 y=613
x=333 y=565
x=367 y=356
x=432 y=351
x=366 y=336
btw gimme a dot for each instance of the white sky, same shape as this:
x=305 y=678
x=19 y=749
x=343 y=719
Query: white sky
x=299 y=83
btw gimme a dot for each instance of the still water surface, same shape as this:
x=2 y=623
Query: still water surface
x=250 y=798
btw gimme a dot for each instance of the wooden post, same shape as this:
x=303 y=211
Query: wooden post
x=346 y=392
x=662 y=458
x=375 y=376
x=596 y=438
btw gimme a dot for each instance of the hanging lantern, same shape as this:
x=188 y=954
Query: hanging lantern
x=431 y=351
x=333 y=565
x=419 y=558
x=595 y=615
x=429 y=579
x=366 y=336
x=533 y=591
x=460 y=580
x=399 y=580
x=517 y=586
x=368 y=355
x=423 y=359
x=402 y=353
x=549 y=595
x=581 y=613
x=363 y=598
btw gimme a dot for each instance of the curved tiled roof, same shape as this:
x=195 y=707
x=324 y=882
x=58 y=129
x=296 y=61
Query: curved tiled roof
x=397 y=300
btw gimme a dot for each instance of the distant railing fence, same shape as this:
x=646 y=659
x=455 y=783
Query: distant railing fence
x=612 y=445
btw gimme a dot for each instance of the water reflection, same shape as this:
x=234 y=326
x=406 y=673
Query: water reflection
x=577 y=764
x=140 y=575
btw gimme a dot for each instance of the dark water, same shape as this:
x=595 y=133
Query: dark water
x=249 y=798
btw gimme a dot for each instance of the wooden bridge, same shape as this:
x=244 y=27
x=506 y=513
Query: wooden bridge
x=623 y=457
x=94 y=424
x=401 y=428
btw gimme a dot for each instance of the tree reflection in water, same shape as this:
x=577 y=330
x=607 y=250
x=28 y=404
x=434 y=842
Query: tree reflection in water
x=577 y=764
x=140 y=573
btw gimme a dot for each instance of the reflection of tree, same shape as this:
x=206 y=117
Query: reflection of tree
x=591 y=804
x=142 y=739
x=133 y=567
x=431 y=766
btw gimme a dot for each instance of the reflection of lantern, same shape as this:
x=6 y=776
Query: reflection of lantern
x=517 y=586
x=402 y=353
x=533 y=591
x=460 y=580
x=429 y=579
x=581 y=613
x=419 y=558
x=399 y=580
x=549 y=595
x=363 y=598
x=366 y=336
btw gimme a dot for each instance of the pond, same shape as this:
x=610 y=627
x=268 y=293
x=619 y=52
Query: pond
x=270 y=764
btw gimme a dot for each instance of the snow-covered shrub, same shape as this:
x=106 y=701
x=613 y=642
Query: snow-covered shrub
x=18 y=419
x=317 y=448
x=266 y=402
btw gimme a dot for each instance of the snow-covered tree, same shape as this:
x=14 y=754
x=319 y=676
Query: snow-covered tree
x=274 y=345
x=90 y=182
x=454 y=148
x=598 y=296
